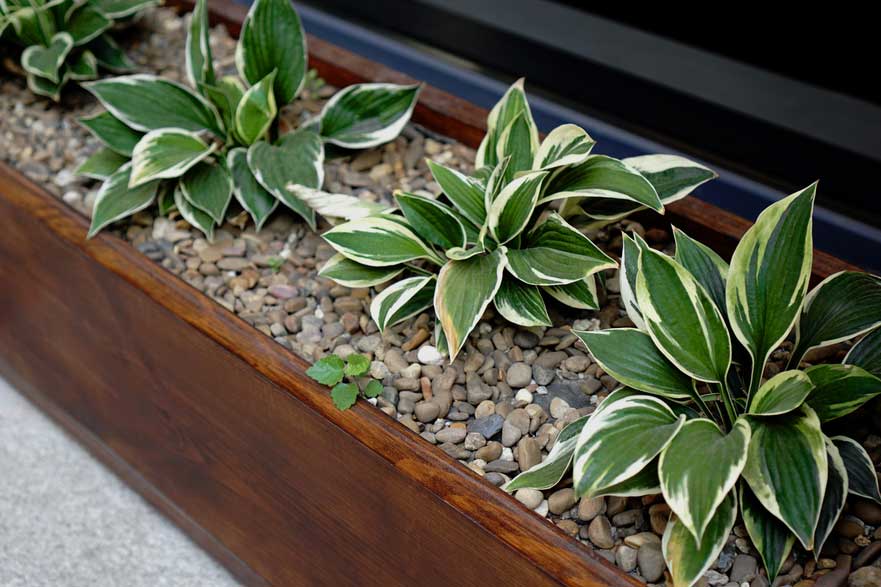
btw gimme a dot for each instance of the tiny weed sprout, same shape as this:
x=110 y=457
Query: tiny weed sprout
x=503 y=234
x=66 y=40
x=332 y=371
x=697 y=421
x=196 y=148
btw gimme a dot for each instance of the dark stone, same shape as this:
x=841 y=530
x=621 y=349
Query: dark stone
x=488 y=427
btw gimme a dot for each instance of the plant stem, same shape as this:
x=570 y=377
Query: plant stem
x=696 y=396
x=728 y=402
x=754 y=379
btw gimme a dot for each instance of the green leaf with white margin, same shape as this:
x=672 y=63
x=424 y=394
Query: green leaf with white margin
x=581 y=294
x=297 y=158
x=699 y=468
x=83 y=67
x=512 y=208
x=225 y=94
x=117 y=9
x=627 y=278
x=328 y=370
x=353 y=274
x=109 y=55
x=630 y=356
x=402 y=300
x=833 y=498
x=687 y=559
x=645 y=482
x=867 y=353
x=379 y=241
x=516 y=143
x=165 y=197
x=787 y=470
x=256 y=111
x=783 y=393
x=466 y=193
x=511 y=105
x=840 y=389
x=521 y=303
x=548 y=473
x=433 y=221
x=366 y=115
x=601 y=176
x=844 y=305
x=115 y=200
x=193 y=215
x=112 y=132
x=555 y=253
x=620 y=440
x=146 y=102
x=208 y=186
x=46 y=62
x=252 y=196
x=102 y=164
x=464 y=290
x=681 y=318
x=769 y=535
x=272 y=38
x=768 y=276
x=200 y=64
x=167 y=153
x=342 y=206
x=710 y=270
x=861 y=477
x=85 y=23
x=568 y=144
x=43 y=87
x=495 y=182
x=462 y=253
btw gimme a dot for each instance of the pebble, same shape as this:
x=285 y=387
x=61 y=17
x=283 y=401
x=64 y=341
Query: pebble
x=429 y=355
x=561 y=501
x=531 y=498
x=454 y=435
x=865 y=577
x=600 y=532
x=744 y=569
x=510 y=433
x=528 y=453
x=519 y=375
x=651 y=562
x=428 y=412
x=559 y=408
x=488 y=426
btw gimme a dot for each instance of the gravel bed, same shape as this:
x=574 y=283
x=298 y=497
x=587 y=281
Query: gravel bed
x=498 y=408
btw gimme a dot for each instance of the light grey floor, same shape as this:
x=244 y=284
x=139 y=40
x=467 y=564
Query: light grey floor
x=66 y=521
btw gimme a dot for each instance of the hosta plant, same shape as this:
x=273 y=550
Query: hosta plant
x=345 y=378
x=196 y=148
x=65 y=40
x=699 y=424
x=496 y=235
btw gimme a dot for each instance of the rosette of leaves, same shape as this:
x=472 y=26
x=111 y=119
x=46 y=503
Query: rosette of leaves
x=66 y=40
x=197 y=148
x=495 y=236
x=697 y=422
x=334 y=371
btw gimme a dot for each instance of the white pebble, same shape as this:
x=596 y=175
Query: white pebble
x=429 y=355
x=524 y=396
x=541 y=390
x=542 y=509
x=507 y=454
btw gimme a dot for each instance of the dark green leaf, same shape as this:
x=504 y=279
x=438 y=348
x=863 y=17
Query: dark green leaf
x=840 y=389
x=366 y=115
x=112 y=132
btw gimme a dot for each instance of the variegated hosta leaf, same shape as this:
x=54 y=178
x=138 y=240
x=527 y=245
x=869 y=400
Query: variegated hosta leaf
x=353 y=274
x=146 y=102
x=840 y=389
x=200 y=64
x=46 y=62
x=555 y=253
x=521 y=303
x=516 y=143
x=208 y=186
x=603 y=177
x=699 y=468
x=272 y=38
x=432 y=220
x=627 y=277
x=769 y=535
x=687 y=559
x=402 y=300
x=337 y=205
x=43 y=87
x=548 y=473
x=252 y=196
x=193 y=215
x=620 y=440
x=710 y=270
x=462 y=253
x=495 y=182
x=115 y=200
x=256 y=111
x=83 y=67
x=102 y=164
x=225 y=94
x=645 y=482
x=109 y=55
x=86 y=22
x=117 y=9
x=867 y=353
x=366 y=115
x=464 y=192
x=783 y=393
x=630 y=356
x=568 y=144
x=844 y=305
x=787 y=469
x=512 y=208
x=379 y=241
x=112 y=132
x=512 y=104
x=166 y=153
x=833 y=498
x=298 y=158
x=861 y=477
x=464 y=290
x=581 y=294
x=769 y=276
x=681 y=318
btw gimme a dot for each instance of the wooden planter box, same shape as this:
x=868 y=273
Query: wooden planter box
x=217 y=425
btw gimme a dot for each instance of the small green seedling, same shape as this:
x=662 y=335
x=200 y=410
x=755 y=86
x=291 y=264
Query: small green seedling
x=332 y=370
